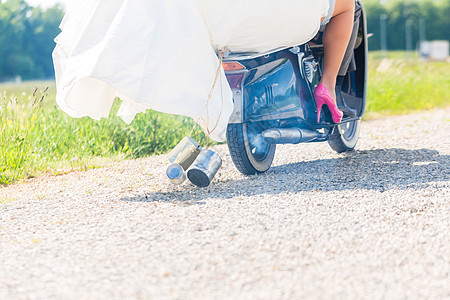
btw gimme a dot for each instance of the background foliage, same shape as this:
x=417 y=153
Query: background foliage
x=27 y=33
x=433 y=14
x=26 y=39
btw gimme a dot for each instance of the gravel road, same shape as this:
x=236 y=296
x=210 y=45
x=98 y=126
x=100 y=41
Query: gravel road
x=372 y=224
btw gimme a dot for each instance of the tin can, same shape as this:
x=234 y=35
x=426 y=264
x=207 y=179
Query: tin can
x=204 y=169
x=185 y=153
x=176 y=174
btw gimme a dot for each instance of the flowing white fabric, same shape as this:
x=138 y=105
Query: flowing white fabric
x=261 y=25
x=161 y=54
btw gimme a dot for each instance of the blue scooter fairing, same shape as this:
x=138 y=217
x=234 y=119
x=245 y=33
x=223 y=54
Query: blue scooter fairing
x=272 y=86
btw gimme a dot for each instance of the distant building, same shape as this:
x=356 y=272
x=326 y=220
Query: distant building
x=435 y=50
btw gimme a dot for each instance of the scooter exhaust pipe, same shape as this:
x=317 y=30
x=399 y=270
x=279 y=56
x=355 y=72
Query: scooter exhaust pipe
x=292 y=136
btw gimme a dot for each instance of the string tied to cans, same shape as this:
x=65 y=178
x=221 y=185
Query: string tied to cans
x=218 y=79
x=188 y=159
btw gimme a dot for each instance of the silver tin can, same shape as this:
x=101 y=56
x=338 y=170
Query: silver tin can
x=204 y=168
x=185 y=153
x=176 y=174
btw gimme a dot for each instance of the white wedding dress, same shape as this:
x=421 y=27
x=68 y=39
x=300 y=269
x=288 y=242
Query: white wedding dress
x=161 y=54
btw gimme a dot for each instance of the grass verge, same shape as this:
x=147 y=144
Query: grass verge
x=402 y=83
x=36 y=137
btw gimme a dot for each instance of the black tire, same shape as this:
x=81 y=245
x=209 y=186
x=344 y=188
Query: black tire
x=345 y=137
x=248 y=158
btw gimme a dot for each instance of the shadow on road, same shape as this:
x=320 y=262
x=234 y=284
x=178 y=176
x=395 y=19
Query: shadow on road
x=379 y=170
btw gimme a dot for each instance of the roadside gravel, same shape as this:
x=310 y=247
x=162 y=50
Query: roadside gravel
x=371 y=224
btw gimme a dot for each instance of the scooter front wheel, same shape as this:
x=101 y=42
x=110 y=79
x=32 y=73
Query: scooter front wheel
x=250 y=153
x=345 y=136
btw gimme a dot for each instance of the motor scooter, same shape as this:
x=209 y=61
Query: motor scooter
x=274 y=104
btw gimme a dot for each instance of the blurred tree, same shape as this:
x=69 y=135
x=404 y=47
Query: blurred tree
x=26 y=39
x=432 y=15
x=374 y=11
x=44 y=27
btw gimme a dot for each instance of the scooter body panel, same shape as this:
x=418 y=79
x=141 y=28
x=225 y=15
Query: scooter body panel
x=272 y=87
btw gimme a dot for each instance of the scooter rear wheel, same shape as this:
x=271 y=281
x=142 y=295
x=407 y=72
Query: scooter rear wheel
x=251 y=155
x=345 y=136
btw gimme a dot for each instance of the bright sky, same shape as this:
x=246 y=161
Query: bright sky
x=46 y=3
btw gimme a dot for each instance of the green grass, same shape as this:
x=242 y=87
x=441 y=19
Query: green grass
x=403 y=84
x=36 y=137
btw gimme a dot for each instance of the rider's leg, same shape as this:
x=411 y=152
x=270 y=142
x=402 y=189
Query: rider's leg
x=335 y=40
